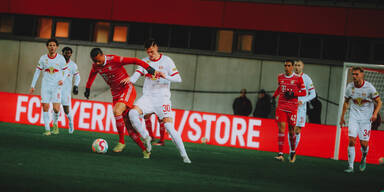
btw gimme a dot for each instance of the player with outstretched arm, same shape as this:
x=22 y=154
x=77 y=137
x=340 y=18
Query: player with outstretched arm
x=111 y=68
x=156 y=93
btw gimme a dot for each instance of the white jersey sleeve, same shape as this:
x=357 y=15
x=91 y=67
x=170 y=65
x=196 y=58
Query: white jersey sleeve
x=76 y=74
x=39 y=68
x=172 y=72
x=311 y=93
x=348 y=91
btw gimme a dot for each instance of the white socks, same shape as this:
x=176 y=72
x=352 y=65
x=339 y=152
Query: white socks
x=46 y=121
x=176 y=139
x=297 y=139
x=351 y=156
x=55 y=117
x=134 y=117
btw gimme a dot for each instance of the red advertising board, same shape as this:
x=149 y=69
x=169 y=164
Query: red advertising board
x=193 y=126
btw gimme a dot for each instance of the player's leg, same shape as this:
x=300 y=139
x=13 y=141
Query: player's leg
x=135 y=136
x=66 y=102
x=118 y=110
x=281 y=123
x=301 y=119
x=56 y=99
x=56 y=112
x=352 y=134
x=364 y=134
x=292 y=136
x=162 y=135
x=176 y=138
x=46 y=119
x=135 y=115
x=46 y=95
x=148 y=125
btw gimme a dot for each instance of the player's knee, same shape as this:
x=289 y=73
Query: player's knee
x=352 y=142
x=133 y=114
x=167 y=120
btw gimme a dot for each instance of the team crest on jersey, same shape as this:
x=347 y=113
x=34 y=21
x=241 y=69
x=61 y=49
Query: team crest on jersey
x=110 y=68
x=174 y=69
x=292 y=81
x=161 y=67
x=51 y=70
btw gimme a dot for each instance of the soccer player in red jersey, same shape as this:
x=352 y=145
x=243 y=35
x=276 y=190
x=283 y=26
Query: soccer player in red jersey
x=290 y=87
x=110 y=67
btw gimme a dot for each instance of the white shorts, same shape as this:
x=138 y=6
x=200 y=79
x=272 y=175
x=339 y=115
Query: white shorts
x=66 y=97
x=301 y=116
x=361 y=127
x=161 y=106
x=50 y=94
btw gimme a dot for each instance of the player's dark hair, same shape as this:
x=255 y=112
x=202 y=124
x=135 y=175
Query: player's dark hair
x=289 y=61
x=66 y=49
x=95 y=52
x=150 y=42
x=52 y=40
x=358 y=69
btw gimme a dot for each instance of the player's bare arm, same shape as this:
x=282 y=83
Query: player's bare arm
x=377 y=109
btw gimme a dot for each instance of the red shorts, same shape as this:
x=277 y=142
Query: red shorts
x=284 y=116
x=126 y=96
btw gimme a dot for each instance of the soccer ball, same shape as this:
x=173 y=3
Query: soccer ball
x=381 y=160
x=100 y=146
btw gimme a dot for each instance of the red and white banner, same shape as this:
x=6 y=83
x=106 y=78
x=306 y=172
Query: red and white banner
x=193 y=126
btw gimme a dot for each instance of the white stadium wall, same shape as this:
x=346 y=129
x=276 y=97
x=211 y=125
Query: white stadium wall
x=199 y=73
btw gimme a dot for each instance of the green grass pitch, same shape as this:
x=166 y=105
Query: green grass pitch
x=32 y=162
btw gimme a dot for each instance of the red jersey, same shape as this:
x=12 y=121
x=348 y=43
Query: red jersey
x=113 y=72
x=292 y=83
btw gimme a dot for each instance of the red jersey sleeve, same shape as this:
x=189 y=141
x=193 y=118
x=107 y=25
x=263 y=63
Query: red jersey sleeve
x=301 y=91
x=130 y=61
x=91 y=78
x=277 y=91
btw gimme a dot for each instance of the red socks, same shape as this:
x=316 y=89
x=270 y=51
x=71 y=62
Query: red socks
x=120 y=125
x=280 y=140
x=148 y=125
x=162 y=132
x=136 y=138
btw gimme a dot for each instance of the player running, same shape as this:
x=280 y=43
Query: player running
x=110 y=67
x=361 y=113
x=302 y=109
x=156 y=93
x=53 y=66
x=67 y=86
x=290 y=87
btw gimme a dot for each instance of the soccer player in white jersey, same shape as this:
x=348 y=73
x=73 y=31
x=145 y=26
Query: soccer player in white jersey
x=362 y=112
x=302 y=109
x=67 y=86
x=53 y=66
x=157 y=94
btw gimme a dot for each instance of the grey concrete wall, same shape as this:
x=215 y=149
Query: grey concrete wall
x=210 y=83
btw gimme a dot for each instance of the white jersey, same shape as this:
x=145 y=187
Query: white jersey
x=309 y=88
x=362 y=100
x=160 y=86
x=53 y=70
x=72 y=70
